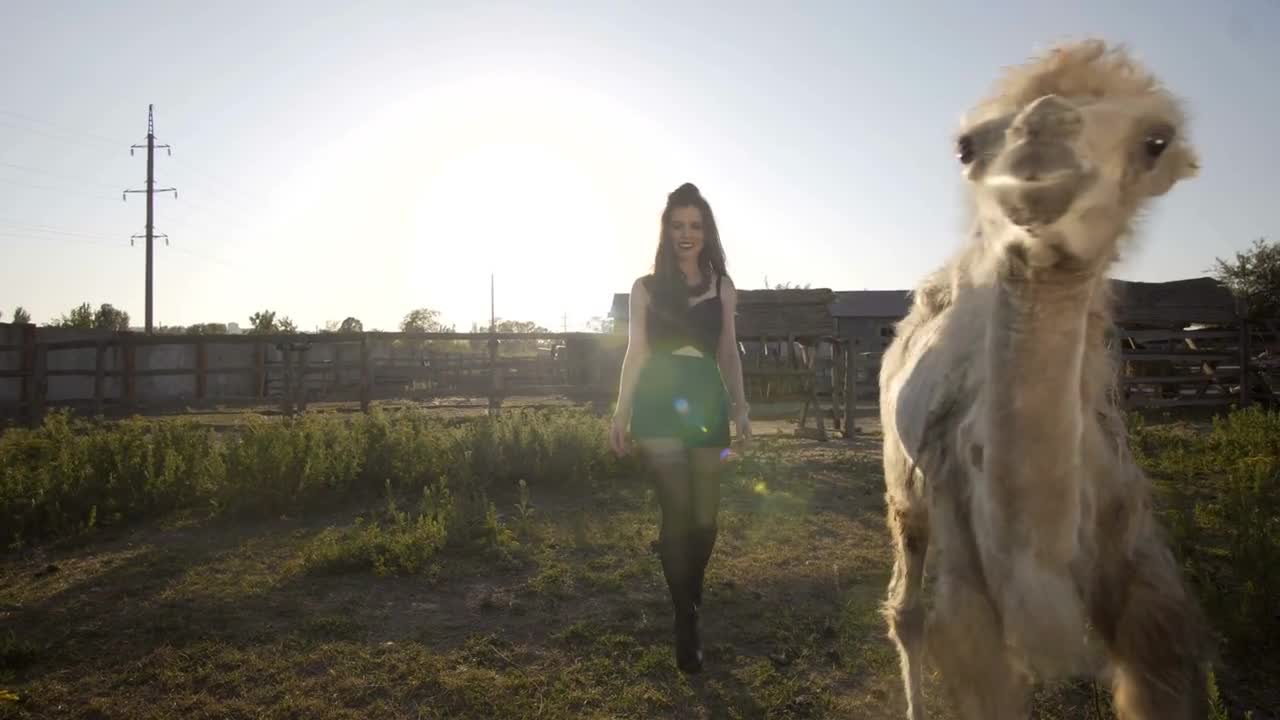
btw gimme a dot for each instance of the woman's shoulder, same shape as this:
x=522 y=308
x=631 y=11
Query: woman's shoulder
x=725 y=283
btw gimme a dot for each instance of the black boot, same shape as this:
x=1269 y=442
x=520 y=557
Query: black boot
x=702 y=540
x=676 y=568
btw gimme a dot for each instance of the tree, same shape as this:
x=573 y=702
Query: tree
x=351 y=325
x=599 y=324
x=21 y=316
x=263 y=322
x=111 y=318
x=80 y=317
x=1254 y=277
x=423 y=320
x=513 y=347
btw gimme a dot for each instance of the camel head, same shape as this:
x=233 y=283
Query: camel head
x=1069 y=148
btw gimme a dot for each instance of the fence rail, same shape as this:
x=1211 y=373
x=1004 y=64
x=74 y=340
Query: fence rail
x=296 y=369
x=831 y=374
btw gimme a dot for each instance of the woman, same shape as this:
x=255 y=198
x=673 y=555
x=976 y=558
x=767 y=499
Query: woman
x=681 y=349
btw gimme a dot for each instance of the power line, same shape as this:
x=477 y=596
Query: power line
x=150 y=191
x=60 y=129
x=50 y=173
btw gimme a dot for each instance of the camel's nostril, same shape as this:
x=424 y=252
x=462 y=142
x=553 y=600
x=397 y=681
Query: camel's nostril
x=1049 y=117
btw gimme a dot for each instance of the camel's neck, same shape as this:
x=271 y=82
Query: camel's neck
x=1036 y=342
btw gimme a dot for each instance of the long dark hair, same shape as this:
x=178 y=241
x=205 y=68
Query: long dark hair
x=670 y=290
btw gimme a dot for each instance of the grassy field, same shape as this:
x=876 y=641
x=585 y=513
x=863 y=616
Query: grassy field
x=412 y=596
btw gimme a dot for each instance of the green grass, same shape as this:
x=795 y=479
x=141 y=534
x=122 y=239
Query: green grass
x=403 y=566
x=71 y=476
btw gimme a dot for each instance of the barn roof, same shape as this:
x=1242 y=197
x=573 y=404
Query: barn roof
x=1201 y=299
x=871 y=303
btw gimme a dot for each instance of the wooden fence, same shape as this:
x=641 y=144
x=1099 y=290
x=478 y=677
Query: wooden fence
x=295 y=376
x=293 y=370
x=1213 y=366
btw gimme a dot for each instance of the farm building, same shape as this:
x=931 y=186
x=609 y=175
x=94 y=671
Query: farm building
x=868 y=316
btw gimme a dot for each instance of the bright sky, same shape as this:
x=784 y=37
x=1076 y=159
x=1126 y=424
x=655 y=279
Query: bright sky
x=334 y=159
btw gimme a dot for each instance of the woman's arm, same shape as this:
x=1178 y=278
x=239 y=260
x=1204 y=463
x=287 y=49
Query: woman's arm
x=637 y=347
x=730 y=360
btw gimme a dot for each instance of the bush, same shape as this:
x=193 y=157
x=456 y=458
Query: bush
x=1221 y=505
x=71 y=475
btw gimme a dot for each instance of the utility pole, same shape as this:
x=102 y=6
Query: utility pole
x=150 y=191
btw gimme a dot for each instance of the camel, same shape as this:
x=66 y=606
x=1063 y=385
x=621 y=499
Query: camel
x=1005 y=449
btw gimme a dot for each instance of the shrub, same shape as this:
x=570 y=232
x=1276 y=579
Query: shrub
x=1221 y=503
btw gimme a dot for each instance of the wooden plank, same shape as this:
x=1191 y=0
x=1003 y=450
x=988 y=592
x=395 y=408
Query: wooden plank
x=286 y=394
x=1154 y=402
x=1245 y=394
x=202 y=369
x=1188 y=355
x=304 y=366
x=776 y=373
x=130 y=379
x=1168 y=335
x=1178 y=379
x=28 y=362
x=39 y=385
x=99 y=377
x=260 y=367
x=850 y=385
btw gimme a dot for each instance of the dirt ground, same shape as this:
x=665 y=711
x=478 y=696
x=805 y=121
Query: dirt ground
x=194 y=619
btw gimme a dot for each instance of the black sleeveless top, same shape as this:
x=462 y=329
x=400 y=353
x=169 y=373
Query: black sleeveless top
x=698 y=325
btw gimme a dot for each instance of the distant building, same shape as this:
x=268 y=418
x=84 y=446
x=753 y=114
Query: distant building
x=620 y=311
x=868 y=316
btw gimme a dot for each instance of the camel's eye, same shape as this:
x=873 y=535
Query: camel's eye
x=964 y=149
x=1156 y=142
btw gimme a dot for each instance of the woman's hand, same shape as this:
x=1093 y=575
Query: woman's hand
x=618 y=433
x=742 y=419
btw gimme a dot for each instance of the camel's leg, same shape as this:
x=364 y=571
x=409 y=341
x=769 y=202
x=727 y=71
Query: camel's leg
x=1156 y=638
x=966 y=644
x=902 y=610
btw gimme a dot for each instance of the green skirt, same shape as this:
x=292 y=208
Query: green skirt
x=681 y=397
